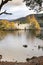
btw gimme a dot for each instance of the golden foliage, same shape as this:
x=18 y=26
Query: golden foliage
x=7 y=25
x=32 y=20
x=34 y=23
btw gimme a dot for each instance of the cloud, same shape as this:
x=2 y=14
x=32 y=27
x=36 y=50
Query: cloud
x=17 y=12
x=0 y=1
x=14 y=2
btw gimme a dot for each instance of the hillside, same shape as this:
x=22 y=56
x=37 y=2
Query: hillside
x=39 y=18
x=32 y=19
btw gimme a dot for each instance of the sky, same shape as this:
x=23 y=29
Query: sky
x=14 y=2
x=17 y=8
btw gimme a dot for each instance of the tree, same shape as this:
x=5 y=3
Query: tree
x=5 y=13
x=2 y=4
x=33 y=3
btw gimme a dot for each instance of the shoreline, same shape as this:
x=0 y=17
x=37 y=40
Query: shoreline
x=30 y=61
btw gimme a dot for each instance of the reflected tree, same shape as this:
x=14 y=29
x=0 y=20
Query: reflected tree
x=3 y=34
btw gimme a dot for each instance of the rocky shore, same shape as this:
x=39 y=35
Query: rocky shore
x=30 y=61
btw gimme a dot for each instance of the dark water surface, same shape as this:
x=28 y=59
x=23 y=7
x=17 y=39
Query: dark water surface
x=12 y=45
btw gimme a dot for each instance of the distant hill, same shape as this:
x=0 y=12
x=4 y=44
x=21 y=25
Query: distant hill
x=39 y=18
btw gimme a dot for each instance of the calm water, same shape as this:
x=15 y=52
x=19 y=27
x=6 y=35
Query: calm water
x=11 y=45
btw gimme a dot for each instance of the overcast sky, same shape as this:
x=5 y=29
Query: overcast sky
x=17 y=8
x=14 y=2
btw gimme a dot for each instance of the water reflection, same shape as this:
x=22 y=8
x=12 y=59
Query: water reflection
x=2 y=35
x=29 y=33
x=12 y=45
x=41 y=35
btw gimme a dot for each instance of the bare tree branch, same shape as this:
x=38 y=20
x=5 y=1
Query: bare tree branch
x=3 y=2
x=1 y=5
x=5 y=13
